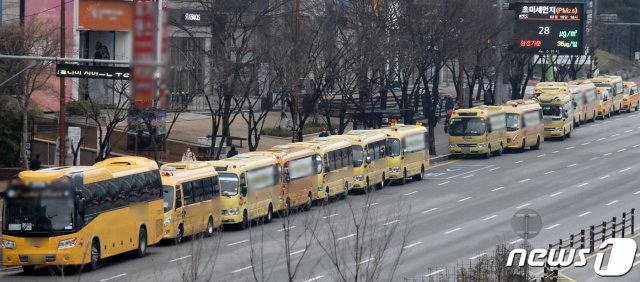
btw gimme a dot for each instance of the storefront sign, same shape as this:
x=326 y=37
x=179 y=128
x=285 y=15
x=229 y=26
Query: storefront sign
x=64 y=70
x=191 y=17
x=105 y=15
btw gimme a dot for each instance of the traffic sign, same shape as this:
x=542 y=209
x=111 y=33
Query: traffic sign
x=549 y=28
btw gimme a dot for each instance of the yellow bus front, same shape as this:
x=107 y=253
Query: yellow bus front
x=359 y=172
x=232 y=200
x=557 y=122
x=468 y=135
x=173 y=217
x=630 y=100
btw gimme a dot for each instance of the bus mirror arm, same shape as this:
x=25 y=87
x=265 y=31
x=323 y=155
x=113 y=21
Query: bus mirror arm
x=243 y=191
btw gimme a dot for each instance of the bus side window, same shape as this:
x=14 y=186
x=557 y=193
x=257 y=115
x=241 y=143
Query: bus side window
x=332 y=160
x=188 y=193
x=178 y=197
x=207 y=185
x=383 y=149
x=277 y=175
x=198 y=191
x=216 y=186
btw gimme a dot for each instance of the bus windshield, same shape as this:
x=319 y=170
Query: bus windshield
x=554 y=111
x=513 y=122
x=394 y=147
x=467 y=127
x=358 y=156
x=228 y=184
x=44 y=210
x=167 y=195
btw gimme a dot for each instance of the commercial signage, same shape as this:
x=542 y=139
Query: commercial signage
x=105 y=15
x=191 y=17
x=100 y=72
x=545 y=28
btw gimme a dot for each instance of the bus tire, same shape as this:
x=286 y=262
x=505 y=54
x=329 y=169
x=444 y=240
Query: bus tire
x=564 y=135
x=593 y=119
x=179 y=236
x=419 y=176
x=245 y=220
x=367 y=186
x=524 y=145
x=381 y=184
x=209 y=231
x=345 y=193
x=403 y=181
x=325 y=200
x=28 y=269
x=637 y=106
x=537 y=145
x=287 y=208
x=141 y=251
x=269 y=216
x=309 y=204
x=499 y=152
x=488 y=154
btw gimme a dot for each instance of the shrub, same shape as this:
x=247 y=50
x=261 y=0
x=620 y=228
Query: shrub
x=77 y=108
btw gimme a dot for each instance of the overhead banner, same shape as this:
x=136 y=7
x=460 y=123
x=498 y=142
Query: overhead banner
x=100 y=72
x=105 y=15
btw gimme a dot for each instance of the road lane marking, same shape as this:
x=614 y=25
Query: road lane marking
x=411 y=193
x=180 y=258
x=555 y=194
x=594 y=158
x=471 y=171
x=412 y=245
x=516 y=241
x=623 y=170
x=297 y=252
x=314 y=278
x=443 y=183
x=241 y=269
x=391 y=222
x=470 y=175
x=606 y=154
x=569 y=148
x=239 y=242
x=611 y=203
x=614 y=135
x=606 y=176
x=583 y=184
x=462 y=200
x=553 y=226
x=522 y=206
x=636 y=145
x=345 y=237
x=330 y=216
x=622 y=150
x=477 y=256
x=540 y=156
x=371 y=205
x=555 y=152
x=286 y=228
x=113 y=277
x=495 y=168
x=366 y=260
x=490 y=217
x=453 y=230
x=429 y=210
x=636 y=193
x=434 y=273
x=572 y=165
x=603 y=138
x=584 y=213
x=549 y=172
x=497 y=189
x=520 y=161
x=525 y=180
x=585 y=144
x=627 y=131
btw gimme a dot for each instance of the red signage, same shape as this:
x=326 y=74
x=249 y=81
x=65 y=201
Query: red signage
x=144 y=52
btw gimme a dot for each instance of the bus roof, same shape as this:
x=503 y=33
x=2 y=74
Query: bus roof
x=607 y=79
x=403 y=129
x=365 y=136
x=628 y=84
x=553 y=98
x=545 y=87
x=287 y=152
x=521 y=106
x=324 y=144
x=173 y=173
x=479 y=111
x=245 y=161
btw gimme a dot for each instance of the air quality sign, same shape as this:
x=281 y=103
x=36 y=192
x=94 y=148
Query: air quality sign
x=549 y=28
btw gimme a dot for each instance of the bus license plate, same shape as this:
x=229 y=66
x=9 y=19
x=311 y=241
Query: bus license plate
x=466 y=150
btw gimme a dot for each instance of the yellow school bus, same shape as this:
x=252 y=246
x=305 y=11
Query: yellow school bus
x=251 y=188
x=407 y=152
x=477 y=131
x=524 y=124
x=191 y=193
x=337 y=165
x=81 y=215
x=369 y=158
x=557 y=113
x=605 y=108
x=564 y=88
x=630 y=100
x=590 y=103
x=615 y=87
x=300 y=169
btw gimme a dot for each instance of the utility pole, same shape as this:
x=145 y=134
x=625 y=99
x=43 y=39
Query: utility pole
x=62 y=127
x=296 y=75
x=498 y=93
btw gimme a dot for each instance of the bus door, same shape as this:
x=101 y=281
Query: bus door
x=179 y=209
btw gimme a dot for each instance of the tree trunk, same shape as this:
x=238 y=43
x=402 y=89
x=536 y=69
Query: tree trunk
x=25 y=133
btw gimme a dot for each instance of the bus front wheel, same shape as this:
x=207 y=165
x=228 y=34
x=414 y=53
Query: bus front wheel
x=537 y=146
x=209 y=231
x=309 y=204
x=179 y=234
x=269 y=216
x=142 y=243
x=419 y=177
x=95 y=255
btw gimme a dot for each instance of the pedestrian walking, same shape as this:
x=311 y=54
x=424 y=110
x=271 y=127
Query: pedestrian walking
x=188 y=156
x=324 y=133
x=35 y=163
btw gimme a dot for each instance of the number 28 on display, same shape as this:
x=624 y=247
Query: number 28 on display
x=543 y=30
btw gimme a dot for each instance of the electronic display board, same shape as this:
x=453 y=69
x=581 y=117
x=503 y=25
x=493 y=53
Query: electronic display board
x=549 y=28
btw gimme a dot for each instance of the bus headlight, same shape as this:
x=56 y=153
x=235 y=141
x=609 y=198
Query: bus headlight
x=625 y=99
x=558 y=129
x=68 y=243
x=481 y=144
x=453 y=146
x=167 y=221
x=233 y=211
x=9 y=245
x=395 y=169
x=319 y=188
x=358 y=177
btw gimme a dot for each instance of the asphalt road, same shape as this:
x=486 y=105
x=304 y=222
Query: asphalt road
x=462 y=211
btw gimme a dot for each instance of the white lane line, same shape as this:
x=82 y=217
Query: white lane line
x=553 y=226
x=555 y=194
x=470 y=175
x=497 y=189
x=412 y=245
x=453 y=230
x=345 y=237
x=366 y=260
x=525 y=180
x=627 y=131
x=297 y=252
x=623 y=170
x=286 y=228
x=371 y=205
x=236 y=243
x=606 y=176
x=314 y=278
x=594 y=158
x=180 y=258
x=495 y=168
x=520 y=161
x=636 y=263
x=391 y=222
x=435 y=272
x=603 y=138
x=540 y=156
x=113 y=277
x=571 y=165
x=241 y=269
x=522 y=206
x=471 y=171
x=516 y=241
x=636 y=146
x=429 y=210
x=443 y=183
x=477 y=256
x=622 y=150
x=569 y=148
x=555 y=152
x=584 y=213
x=614 y=135
x=549 y=172
x=490 y=217
x=583 y=184
x=636 y=193
x=462 y=200
x=607 y=154
x=585 y=144
x=330 y=216
x=611 y=203
x=411 y=193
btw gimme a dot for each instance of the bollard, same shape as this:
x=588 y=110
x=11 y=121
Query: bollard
x=632 y=220
x=613 y=228
x=624 y=223
x=559 y=245
x=604 y=231
x=582 y=239
x=571 y=241
x=591 y=234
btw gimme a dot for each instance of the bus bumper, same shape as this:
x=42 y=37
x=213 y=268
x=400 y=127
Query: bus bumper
x=57 y=257
x=394 y=172
x=626 y=105
x=514 y=144
x=358 y=184
x=553 y=133
x=469 y=150
x=231 y=219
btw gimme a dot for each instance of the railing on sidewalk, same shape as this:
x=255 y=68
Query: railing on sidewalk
x=589 y=238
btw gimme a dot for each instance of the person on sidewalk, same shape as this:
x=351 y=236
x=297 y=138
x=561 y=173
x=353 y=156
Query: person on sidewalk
x=335 y=132
x=188 y=156
x=232 y=152
x=324 y=133
x=35 y=163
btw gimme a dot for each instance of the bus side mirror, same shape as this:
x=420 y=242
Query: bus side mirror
x=287 y=178
x=368 y=159
x=575 y=105
x=243 y=190
x=326 y=168
x=80 y=203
